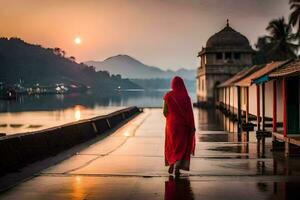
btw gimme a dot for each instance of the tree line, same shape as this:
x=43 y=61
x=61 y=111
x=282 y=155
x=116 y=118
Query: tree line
x=31 y=64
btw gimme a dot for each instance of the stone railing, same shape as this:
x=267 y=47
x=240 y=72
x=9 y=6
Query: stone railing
x=21 y=149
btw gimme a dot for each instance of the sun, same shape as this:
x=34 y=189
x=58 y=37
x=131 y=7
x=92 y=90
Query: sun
x=77 y=40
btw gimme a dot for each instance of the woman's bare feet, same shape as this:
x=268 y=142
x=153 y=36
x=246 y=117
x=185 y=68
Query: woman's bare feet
x=171 y=169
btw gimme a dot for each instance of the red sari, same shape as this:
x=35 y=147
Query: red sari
x=180 y=126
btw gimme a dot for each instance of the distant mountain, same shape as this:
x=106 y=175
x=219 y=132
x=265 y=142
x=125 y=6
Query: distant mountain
x=30 y=64
x=129 y=67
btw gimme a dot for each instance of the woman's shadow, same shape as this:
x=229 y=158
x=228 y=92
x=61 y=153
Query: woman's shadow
x=178 y=189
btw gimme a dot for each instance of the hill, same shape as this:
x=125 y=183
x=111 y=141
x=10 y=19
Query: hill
x=30 y=64
x=129 y=67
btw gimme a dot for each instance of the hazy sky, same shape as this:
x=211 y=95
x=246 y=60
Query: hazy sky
x=164 y=33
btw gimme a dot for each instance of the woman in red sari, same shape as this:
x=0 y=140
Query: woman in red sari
x=180 y=127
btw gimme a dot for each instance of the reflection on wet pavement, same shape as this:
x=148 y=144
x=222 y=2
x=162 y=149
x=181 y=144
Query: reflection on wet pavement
x=231 y=149
x=178 y=188
x=130 y=165
x=133 y=188
x=213 y=138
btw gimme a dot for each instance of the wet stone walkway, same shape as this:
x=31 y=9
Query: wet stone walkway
x=129 y=164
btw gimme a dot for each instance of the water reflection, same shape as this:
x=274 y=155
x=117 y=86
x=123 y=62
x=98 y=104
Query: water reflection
x=78 y=188
x=280 y=190
x=228 y=190
x=181 y=188
x=77 y=112
x=219 y=136
x=208 y=120
x=20 y=122
x=89 y=100
x=214 y=121
x=178 y=189
x=31 y=113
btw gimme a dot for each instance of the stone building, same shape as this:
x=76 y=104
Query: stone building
x=226 y=53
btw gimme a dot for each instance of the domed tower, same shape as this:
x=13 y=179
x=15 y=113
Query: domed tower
x=226 y=53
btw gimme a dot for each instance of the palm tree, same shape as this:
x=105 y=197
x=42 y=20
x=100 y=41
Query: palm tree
x=263 y=46
x=278 y=45
x=294 y=18
x=281 y=40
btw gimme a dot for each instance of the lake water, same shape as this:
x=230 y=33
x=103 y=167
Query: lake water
x=31 y=113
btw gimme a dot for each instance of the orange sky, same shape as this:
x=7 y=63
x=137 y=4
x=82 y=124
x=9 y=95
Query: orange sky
x=164 y=33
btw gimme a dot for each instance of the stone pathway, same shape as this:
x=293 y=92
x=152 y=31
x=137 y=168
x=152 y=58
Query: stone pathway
x=129 y=164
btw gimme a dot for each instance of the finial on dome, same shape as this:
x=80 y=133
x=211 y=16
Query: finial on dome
x=227 y=22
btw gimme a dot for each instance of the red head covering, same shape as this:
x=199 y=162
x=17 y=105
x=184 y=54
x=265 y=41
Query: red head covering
x=178 y=87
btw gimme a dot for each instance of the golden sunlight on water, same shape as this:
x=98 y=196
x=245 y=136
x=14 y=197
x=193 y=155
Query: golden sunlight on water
x=78 y=179
x=78 y=190
x=20 y=122
x=77 y=112
x=126 y=133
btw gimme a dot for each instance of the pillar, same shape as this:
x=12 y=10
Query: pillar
x=229 y=110
x=225 y=98
x=258 y=106
x=229 y=99
x=274 y=106
x=247 y=105
x=258 y=117
x=284 y=107
x=247 y=112
x=239 y=115
x=233 y=100
x=263 y=119
x=263 y=107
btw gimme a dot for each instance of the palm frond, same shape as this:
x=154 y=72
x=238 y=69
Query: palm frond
x=294 y=1
x=280 y=42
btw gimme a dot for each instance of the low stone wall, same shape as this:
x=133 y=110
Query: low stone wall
x=18 y=150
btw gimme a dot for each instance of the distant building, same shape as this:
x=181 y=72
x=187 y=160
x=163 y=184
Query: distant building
x=226 y=53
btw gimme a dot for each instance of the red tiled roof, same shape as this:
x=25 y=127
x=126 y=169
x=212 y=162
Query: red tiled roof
x=240 y=75
x=266 y=69
x=291 y=69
